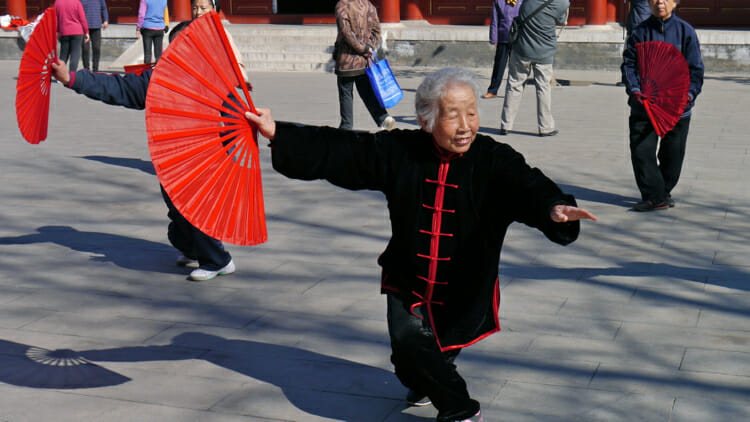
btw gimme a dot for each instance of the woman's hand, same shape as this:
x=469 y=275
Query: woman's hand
x=565 y=213
x=263 y=121
x=60 y=72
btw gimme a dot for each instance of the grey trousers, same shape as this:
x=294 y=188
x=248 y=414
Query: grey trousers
x=518 y=71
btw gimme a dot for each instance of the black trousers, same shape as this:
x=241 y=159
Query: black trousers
x=656 y=179
x=502 y=52
x=70 y=48
x=152 y=37
x=346 y=100
x=422 y=367
x=192 y=242
x=94 y=52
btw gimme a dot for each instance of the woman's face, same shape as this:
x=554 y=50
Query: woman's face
x=458 y=120
x=201 y=7
x=662 y=9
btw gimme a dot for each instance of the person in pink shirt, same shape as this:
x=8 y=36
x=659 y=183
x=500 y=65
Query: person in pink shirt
x=72 y=30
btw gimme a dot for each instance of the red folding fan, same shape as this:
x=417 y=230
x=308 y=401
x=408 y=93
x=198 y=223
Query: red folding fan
x=137 y=68
x=204 y=150
x=665 y=81
x=35 y=77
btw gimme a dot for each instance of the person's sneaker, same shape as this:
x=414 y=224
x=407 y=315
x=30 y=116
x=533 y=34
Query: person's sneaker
x=418 y=399
x=670 y=202
x=553 y=133
x=503 y=131
x=201 y=274
x=388 y=123
x=183 y=261
x=476 y=418
x=650 y=206
x=489 y=95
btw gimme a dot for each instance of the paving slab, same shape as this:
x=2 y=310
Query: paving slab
x=645 y=317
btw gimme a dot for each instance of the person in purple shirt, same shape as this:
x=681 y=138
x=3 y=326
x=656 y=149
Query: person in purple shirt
x=97 y=19
x=503 y=12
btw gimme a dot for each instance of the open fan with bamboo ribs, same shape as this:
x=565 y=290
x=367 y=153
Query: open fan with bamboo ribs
x=665 y=81
x=203 y=149
x=35 y=78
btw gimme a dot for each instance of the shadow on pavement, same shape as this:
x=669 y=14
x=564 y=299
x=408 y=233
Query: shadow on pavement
x=308 y=379
x=134 y=163
x=592 y=195
x=29 y=366
x=123 y=251
x=722 y=277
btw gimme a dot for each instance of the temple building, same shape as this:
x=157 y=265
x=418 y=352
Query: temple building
x=700 y=13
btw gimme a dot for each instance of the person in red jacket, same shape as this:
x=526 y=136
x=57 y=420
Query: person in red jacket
x=72 y=29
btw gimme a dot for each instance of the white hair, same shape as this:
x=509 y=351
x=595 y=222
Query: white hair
x=432 y=89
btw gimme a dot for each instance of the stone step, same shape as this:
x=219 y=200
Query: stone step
x=285 y=48
x=287 y=66
x=271 y=55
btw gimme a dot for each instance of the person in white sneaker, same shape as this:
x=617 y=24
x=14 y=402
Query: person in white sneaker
x=196 y=248
x=452 y=193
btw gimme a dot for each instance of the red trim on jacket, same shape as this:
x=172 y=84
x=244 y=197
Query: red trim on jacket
x=496 y=316
x=435 y=234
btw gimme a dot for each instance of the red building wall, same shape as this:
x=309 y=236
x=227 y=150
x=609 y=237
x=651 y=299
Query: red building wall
x=700 y=13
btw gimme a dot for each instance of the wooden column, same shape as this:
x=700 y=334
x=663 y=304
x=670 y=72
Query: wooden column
x=596 y=12
x=180 y=10
x=411 y=11
x=17 y=8
x=612 y=10
x=391 y=11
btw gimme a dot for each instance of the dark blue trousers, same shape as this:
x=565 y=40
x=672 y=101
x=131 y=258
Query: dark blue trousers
x=657 y=164
x=502 y=52
x=192 y=242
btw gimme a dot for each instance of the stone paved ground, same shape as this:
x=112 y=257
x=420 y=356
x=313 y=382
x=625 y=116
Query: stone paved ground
x=644 y=318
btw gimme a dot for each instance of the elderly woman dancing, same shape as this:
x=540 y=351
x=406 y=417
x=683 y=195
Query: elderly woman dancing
x=452 y=193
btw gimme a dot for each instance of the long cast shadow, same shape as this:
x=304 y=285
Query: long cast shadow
x=724 y=277
x=594 y=195
x=307 y=379
x=123 y=251
x=134 y=163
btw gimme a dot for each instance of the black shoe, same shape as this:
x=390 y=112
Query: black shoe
x=476 y=418
x=650 y=206
x=503 y=131
x=415 y=398
x=553 y=133
x=670 y=202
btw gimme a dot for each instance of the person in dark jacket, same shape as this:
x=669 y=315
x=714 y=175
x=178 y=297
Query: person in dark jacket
x=97 y=18
x=451 y=193
x=358 y=36
x=639 y=12
x=503 y=12
x=656 y=179
x=197 y=249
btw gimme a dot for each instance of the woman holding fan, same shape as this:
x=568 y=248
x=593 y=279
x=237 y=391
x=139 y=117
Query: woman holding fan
x=656 y=179
x=197 y=249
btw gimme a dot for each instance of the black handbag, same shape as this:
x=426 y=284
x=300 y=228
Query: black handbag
x=516 y=25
